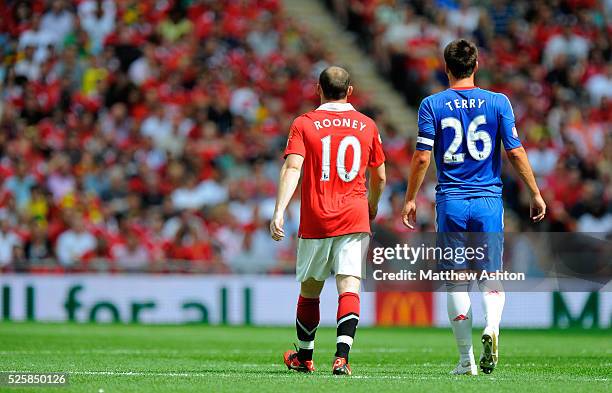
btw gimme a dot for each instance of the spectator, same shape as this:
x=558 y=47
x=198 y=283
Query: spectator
x=20 y=185
x=465 y=18
x=599 y=86
x=175 y=26
x=38 y=39
x=58 y=21
x=74 y=243
x=87 y=8
x=38 y=208
x=144 y=68
x=61 y=181
x=98 y=24
x=195 y=195
x=244 y=102
x=27 y=67
x=115 y=196
x=567 y=44
x=157 y=126
x=259 y=252
x=8 y=241
x=38 y=247
x=131 y=255
x=263 y=39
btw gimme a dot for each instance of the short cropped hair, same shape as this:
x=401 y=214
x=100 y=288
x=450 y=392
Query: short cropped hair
x=334 y=82
x=461 y=56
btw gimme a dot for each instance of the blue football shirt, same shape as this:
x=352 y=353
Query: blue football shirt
x=465 y=128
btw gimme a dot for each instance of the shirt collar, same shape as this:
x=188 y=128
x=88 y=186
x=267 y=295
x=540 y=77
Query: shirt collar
x=464 y=88
x=336 y=107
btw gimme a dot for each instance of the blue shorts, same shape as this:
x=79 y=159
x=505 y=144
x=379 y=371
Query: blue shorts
x=473 y=228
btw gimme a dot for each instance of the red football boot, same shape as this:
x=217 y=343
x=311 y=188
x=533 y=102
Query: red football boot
x=341 y=367
x=293 y=363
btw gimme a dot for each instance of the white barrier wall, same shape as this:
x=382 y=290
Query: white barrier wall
x=262 y=300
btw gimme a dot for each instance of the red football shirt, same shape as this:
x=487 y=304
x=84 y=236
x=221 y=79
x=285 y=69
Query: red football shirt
x=337 y=144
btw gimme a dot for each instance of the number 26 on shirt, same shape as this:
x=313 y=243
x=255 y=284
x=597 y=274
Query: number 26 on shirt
x=451 y=156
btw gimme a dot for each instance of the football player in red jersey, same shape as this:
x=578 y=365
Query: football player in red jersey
x=334 y=145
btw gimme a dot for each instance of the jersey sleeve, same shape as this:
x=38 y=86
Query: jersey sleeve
x=377 y=155
x=507 y=127
x=427 y=127
x=295 y=142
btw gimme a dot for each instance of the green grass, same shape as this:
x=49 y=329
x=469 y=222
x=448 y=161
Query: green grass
x=134 y=358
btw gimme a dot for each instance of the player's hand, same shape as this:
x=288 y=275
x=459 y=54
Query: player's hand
x=372 y=211
x=537 y=208
x=409 y=214
x=276 y=227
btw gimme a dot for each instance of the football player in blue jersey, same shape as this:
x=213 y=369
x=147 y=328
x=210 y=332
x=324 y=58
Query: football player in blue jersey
x=466 y=126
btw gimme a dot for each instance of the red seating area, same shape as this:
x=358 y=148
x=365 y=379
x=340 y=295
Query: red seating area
x=553 y=59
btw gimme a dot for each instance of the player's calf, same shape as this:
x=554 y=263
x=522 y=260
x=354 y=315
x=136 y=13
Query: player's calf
x=347 y=320
x=306 y=324
x=459 y=310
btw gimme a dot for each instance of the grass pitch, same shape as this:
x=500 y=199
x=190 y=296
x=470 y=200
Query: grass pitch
x=135 y=358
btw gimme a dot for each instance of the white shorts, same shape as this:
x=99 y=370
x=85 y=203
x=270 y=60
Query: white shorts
x=318 y=258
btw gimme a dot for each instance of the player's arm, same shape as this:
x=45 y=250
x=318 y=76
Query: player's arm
x=289 y=179
x=518 y=158
x=420 y=162
x=378 y=179
x=418 y=169
x=520 y=163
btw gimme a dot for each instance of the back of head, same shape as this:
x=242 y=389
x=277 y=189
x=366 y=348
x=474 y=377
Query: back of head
x=461 y=56
x=334 y=82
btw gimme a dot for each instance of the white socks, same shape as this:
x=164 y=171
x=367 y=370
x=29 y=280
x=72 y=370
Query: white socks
x=493 y=299
x=459 y=310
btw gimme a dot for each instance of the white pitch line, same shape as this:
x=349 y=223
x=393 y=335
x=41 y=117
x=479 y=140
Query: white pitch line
x=236 y=351
x=205 y=352
x=174 y=351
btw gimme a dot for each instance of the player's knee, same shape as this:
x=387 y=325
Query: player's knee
x=487 y=286
x=311 y=288
x=347 y=283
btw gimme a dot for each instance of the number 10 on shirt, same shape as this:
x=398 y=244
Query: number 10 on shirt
x=347 y=141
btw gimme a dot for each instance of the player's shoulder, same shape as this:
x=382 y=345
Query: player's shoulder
x=451 y=93
x=319 y=114
x=344 y=108
x=302 y=117
x=302 y=120
x=436 y=99
x=363 y=117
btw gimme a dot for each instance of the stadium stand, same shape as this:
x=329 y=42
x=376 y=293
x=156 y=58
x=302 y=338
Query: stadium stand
x=134 y=133
x=552 y=59
x=147 y=135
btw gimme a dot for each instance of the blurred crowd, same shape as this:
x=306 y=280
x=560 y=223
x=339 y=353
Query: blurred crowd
x=148 y=135
x=134 y=134
x=551 y=58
